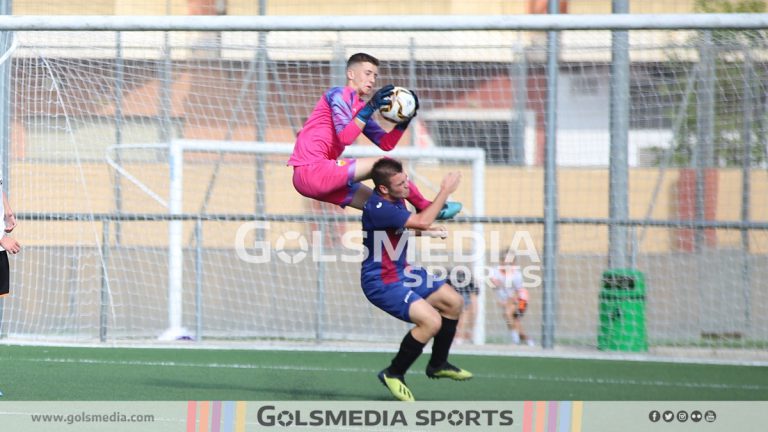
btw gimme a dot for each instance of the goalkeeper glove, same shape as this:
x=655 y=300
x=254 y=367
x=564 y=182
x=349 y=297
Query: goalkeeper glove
x=404 y=125
x=379 y=99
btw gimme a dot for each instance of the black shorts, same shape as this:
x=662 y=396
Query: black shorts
x=5 y=274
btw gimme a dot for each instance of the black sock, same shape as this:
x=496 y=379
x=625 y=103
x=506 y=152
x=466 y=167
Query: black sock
x=410 y=350
x=442 y=342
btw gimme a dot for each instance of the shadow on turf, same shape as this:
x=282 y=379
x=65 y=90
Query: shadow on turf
x=273 y=393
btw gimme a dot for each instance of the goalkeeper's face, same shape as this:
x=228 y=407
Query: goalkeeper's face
x=362 y=77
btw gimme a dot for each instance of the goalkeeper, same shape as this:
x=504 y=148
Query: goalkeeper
x=408 y=293
x=336 y=121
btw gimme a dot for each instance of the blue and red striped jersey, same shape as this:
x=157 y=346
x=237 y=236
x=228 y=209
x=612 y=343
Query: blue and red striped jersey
x=386 y=247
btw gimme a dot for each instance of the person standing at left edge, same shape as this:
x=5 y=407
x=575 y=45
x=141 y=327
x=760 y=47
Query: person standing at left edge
x=7 y=245
x=408 y=293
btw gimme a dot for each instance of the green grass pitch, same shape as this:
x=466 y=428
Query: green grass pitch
x=67 y=373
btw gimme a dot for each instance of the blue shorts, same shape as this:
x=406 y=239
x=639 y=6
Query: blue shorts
x=396 y=298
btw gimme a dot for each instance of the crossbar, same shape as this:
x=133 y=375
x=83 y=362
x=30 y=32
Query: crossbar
x=743 y=21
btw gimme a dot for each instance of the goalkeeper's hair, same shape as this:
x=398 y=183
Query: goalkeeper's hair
x=383 y=170
x=362 y=58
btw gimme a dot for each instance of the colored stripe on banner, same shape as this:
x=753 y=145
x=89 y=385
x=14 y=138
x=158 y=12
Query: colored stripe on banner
x=216 y=417
x=229 y=416
x=565 y=417
x=240 y=416
x=191 y=415
x=552 y=420
x=527 y=416
x=576 y=413
x=541 y=415
x=204 y=416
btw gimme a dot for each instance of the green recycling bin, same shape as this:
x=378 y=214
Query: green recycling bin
x=622 y=311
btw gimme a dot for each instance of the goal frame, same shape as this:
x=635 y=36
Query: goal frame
x=174 y=204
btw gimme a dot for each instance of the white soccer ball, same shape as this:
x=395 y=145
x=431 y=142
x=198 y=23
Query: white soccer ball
x=401 y=106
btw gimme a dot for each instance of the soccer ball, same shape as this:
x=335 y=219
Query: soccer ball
x=401 y=106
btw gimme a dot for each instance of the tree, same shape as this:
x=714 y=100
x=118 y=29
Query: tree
x=733 y=67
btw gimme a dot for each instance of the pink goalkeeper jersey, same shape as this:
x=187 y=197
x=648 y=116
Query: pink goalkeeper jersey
x=331 y=127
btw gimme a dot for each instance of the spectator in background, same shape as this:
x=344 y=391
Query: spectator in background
x=7 y=244
x=507 y=282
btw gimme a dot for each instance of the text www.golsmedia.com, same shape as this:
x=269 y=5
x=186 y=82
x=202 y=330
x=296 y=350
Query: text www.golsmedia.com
x=83 y=417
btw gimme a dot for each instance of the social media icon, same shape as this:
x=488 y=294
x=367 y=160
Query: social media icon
x=654 y=416
x=668 y=416
x=682 y=416
x=710 y=416
x=696 y=416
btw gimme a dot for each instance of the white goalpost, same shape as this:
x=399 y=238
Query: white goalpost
x=146 y=164
x=177 y=149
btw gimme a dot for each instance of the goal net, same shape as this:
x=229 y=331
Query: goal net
x=147 y=170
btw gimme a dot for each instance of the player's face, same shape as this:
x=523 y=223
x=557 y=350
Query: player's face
x=398 y=186
x=362 y=77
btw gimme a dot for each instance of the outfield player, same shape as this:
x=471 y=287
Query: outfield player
x=7 y=244
x=408 y=293
x=339 y=117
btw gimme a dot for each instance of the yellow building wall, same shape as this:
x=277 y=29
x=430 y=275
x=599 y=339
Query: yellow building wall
x=37 y=7
x=635 y=6
x=583 y=193
x=658 y=7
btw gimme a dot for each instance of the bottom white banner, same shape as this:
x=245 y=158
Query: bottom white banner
x=524 y=416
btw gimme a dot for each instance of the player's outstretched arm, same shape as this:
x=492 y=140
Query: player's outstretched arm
x=425 y=218
x=348 y=129
x=10 y=245
x=9 y=217
x=378 y=100
x=434 y=231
